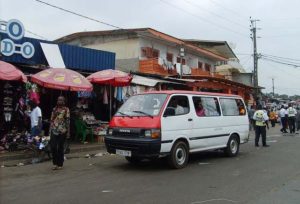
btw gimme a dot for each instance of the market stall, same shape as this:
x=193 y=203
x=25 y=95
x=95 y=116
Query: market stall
x=112 y=78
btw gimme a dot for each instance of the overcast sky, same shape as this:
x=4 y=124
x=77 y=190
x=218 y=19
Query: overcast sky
x=198 y=19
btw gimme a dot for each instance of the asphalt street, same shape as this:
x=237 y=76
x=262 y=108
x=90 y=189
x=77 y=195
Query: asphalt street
x=256 y=176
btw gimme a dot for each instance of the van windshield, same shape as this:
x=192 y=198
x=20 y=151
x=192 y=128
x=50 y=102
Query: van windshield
x=142 y=105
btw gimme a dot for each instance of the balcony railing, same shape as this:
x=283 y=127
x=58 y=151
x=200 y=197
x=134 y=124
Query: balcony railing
x=200 y=72
x=151 y=66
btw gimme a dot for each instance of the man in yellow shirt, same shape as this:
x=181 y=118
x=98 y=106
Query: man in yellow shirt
x=261 y=118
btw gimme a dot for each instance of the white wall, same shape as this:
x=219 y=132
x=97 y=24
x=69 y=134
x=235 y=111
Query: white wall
x=124 y=49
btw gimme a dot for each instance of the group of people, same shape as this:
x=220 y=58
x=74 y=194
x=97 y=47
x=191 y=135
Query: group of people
x=289 y=116
x=59 y=128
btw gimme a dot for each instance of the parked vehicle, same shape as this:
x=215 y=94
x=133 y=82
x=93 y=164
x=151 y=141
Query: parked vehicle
x=166 y=124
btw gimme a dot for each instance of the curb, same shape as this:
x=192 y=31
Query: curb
x=74 y=149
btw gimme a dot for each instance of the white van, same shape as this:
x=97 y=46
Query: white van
x=176 y=123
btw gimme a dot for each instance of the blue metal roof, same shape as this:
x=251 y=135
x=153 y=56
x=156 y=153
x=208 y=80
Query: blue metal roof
x=76 y=58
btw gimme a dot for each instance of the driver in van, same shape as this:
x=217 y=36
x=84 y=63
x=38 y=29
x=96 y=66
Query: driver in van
x=178 y=109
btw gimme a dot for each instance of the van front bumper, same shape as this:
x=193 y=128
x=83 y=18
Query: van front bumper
x=139 y=147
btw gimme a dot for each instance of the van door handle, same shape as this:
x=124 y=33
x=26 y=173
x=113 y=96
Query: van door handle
x=190 y=119
x=218 y=128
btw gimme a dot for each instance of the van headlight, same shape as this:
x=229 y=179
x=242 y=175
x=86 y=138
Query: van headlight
x=153 y=133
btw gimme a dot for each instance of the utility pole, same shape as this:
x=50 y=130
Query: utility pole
x=273 y=87
x=255 y=56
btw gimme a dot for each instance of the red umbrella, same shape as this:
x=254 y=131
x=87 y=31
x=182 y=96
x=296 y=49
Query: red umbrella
x=110 y=77
x=62 y=79
x=9 y=72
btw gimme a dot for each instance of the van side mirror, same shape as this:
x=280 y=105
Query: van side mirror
x=169 y=112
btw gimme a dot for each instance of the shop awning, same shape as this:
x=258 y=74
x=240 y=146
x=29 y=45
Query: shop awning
x=145 y=81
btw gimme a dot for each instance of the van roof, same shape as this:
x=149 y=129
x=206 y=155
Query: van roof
x=191 y=92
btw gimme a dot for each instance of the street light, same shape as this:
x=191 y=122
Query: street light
x=181 y=54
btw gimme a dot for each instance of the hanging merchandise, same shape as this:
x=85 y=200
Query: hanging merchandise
x=105 y=97
x=8 y=102
x=119 y=94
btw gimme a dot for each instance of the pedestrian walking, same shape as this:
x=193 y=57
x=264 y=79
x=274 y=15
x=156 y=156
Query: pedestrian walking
x=292 y=118
x=298 y=119
x=59 y=130
x=282 y=115
x=250 y=115
x=36 y=119
x=261 y=118
x=272 y=117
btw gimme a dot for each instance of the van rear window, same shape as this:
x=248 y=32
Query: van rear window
x=232 y=107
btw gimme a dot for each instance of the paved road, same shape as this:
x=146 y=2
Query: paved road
x=256 y=176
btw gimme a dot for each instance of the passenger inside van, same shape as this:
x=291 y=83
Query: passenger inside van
x=199 y=109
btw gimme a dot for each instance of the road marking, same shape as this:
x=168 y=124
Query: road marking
x=272 y=141
x=107 y=191
x=203 y=163
x=212 y=200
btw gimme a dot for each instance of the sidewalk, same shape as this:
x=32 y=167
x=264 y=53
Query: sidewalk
x=74 y=148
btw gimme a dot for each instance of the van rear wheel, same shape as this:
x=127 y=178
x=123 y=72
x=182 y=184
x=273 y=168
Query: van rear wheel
x=179 y=155
x=233 y=146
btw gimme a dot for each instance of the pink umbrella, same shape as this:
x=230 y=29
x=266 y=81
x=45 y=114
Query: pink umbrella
x=110 y=77
x=62 y=79
x=9 y=72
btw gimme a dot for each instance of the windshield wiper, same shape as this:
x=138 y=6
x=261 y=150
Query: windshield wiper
x=124 y=114
x=142 y=112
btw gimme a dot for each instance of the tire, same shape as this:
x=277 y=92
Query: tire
x=133 y=160
x=233 y=146
x=179 y=155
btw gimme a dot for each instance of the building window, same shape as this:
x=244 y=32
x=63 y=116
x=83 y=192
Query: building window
x=200 y=65
x=155 y=53
x=169 y=57
x=183 y=60
x=146 y=52
x=149 y=52
x=207 y=67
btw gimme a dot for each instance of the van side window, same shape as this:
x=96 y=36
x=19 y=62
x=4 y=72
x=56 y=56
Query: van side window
x=178 y=105
x=241 y=106
x=232 y=107
x=206 y=106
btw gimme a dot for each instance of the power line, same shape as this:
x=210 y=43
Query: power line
x=274 y=56
x=28 y=31
x=36 y=34
x=230 y=10
x=202 y=19
x=78 y=14
x=92 y=19
x=280 y=62
x=215 y=14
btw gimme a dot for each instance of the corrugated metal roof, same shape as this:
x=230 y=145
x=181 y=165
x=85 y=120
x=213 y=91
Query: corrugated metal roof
x=76 y=58
x=86 y=59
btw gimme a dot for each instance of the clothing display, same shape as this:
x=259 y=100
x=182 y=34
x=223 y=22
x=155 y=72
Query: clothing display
x=7 y=103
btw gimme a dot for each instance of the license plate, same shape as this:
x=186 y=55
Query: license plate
x=123 y=152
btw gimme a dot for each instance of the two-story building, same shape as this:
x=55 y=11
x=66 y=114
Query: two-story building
x=149 y=51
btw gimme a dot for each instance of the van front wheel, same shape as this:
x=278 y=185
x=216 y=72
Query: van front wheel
x=179 y=155
x=233 y=146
